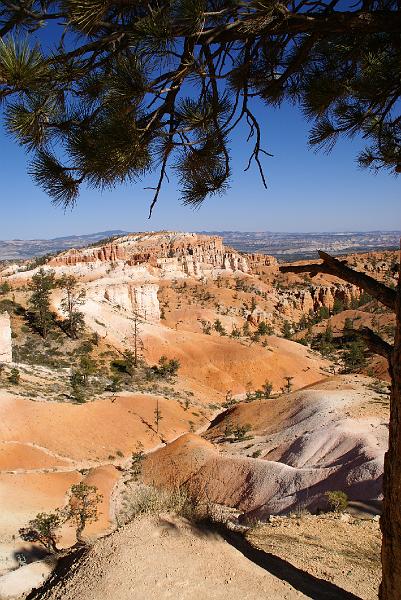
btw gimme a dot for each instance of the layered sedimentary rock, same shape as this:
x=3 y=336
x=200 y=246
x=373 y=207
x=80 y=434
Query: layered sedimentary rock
x=140 y=299
x=172 y=253
x=315 y=297
x=123 y=272
x=6 y=354
x=257 y=261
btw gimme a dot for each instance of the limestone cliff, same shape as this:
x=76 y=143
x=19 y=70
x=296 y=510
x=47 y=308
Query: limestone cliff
x=316 y=296
x=173 y=254
x=123 y=273
x=5 y=339
x=140 y=299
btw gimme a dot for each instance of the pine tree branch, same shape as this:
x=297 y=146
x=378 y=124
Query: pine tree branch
x=333 y=266
x=345 y=22
x=374 y=342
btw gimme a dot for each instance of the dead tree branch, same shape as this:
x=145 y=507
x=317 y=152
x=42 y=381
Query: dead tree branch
x=333 y=266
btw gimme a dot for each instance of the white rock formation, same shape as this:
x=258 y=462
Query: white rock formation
x=139 y=298
x=6 y=355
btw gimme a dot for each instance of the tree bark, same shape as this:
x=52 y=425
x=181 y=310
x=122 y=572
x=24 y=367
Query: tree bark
x=390 y=522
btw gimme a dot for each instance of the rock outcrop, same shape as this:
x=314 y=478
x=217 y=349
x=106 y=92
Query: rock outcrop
x=173 y=253
x=140 y=299
x=124 y=273
x=313 y=298
x=262 y=261
x=6 y=353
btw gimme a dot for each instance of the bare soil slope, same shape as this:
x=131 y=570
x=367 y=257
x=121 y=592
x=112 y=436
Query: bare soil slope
x=329 y=436
x=336 y=548
x=328 y=557
x=167 y=558
x=48 y=446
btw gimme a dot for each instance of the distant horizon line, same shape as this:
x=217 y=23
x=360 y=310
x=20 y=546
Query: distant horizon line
x=205 y=231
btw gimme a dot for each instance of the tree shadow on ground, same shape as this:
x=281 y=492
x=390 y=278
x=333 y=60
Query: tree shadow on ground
x=30 y=555
x=313 y=587
x=64 y=568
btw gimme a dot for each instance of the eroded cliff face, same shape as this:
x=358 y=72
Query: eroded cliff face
x=258 y=261
x=124 y=273
x=315 y=297
x=6 y=354
x=171 y=254
x=140 y=299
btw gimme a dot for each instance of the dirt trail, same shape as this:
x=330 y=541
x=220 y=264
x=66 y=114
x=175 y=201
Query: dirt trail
x=163 y=558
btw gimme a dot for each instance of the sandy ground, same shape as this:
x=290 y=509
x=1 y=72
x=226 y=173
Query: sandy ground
x=39 y=463
x=328 y=557
x=338 y=549
x=16 y=583
x=94 y=431
x=165 y=558
x=223 y=364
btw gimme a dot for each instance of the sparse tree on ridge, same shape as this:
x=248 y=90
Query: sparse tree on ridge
x=43 y=282
x=158 y=415
x=43 y=529
x=136 y=337
x=162 y=85
x=73 y=298
x=288 y=383
x=82 y=506
x=267 y=388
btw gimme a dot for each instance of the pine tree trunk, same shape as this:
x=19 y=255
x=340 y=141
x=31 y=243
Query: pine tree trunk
x=390 y=588
x=390 y=522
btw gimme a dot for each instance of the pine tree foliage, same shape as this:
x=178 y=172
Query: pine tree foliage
x=130 y=88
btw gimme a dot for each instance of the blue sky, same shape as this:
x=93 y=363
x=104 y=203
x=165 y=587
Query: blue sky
x=306 y=192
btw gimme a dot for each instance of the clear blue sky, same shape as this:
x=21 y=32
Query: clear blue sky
x=306 y=192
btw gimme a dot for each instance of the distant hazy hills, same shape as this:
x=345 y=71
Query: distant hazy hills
x=19 y=249
x=297 y=246
x=285 y=246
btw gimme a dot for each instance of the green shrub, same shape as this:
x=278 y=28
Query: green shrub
x=14 y=376
x=240 y=433
x=4 y=288
x=264 y=329
x=78 y=387
x=337 y=500
x=219 y=327
x=137 y=461
x=286 y=330
x=267 y=388
x=166 y=368
x=154 y=501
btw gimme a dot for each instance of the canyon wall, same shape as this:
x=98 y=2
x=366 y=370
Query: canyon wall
x=6 y=355
x=140 y=299
x=125 y=297
x=314 y=297
x=173 y=253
